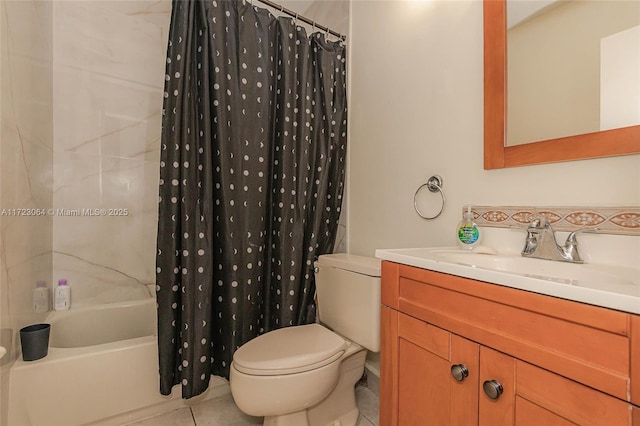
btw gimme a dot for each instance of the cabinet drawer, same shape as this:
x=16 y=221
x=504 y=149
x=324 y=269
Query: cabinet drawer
x=585 y=343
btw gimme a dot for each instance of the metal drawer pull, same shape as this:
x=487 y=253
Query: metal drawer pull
x=492 y=388
x=459 y=372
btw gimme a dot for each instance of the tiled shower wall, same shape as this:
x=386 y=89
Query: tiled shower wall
x=108 y=70
x=81 y=90
x=25 y=168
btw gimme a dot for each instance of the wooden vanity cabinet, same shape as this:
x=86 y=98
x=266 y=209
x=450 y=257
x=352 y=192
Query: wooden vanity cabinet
x=547 y=361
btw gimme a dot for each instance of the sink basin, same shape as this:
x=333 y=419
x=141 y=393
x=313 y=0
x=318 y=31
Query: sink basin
x=599 y=284
x=606 y=277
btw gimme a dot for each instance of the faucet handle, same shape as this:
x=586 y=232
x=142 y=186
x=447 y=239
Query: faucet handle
x=570 y=248
x=571 y=238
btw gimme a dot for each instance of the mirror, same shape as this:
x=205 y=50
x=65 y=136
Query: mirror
x=617 y=141
x=573 y=65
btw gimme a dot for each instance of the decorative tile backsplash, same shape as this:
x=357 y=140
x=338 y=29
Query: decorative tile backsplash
x=624 y=220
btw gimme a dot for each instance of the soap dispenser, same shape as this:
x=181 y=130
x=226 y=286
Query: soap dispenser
x=467 y=232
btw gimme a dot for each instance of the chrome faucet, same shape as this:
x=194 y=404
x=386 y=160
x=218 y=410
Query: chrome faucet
x=541 y=243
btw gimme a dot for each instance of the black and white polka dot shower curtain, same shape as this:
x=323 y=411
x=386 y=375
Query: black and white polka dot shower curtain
x=251 y=180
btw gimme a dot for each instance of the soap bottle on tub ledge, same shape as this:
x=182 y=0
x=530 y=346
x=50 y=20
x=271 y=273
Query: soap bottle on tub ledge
x=62 y=296
x=468 y=233
x=41 y=297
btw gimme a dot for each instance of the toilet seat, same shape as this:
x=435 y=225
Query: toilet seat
x=290 y=350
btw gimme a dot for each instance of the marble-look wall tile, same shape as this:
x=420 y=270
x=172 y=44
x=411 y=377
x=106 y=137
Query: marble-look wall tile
x=157 y=12
x=26 y=148
x=109 y=59
x=122 y=240
x=27 y=26
x=105 y=116
x=25 y=169
x=30 y=96
x=96 y=283
x=106 y=41
x=22 y=280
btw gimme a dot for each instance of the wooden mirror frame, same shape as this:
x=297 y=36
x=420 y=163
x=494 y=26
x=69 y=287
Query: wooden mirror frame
x=622 y=141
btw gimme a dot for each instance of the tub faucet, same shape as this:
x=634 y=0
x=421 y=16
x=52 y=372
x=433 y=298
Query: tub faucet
x=541 y=243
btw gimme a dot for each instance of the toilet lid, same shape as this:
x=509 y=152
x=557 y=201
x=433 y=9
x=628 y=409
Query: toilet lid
x=289 y=350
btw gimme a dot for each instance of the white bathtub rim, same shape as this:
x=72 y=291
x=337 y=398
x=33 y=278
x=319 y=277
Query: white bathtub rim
x=64 y=354
x=55 y=316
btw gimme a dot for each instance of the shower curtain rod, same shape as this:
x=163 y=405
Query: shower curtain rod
x=302 y=18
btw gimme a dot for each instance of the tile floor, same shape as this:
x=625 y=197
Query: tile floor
x=221 y=411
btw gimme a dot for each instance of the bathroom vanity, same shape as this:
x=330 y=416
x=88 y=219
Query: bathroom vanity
x=458 y=349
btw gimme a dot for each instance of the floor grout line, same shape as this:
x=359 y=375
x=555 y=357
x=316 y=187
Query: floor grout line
x=193 y=417
x=367 y=402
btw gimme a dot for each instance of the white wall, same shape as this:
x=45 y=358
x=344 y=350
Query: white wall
x=416 y=109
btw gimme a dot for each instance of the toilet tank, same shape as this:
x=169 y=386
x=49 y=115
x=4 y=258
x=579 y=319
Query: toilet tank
x=348 y=289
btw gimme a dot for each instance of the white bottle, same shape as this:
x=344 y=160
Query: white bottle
x=62 y=296
x=41 y=297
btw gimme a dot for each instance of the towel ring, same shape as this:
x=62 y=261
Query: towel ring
x=434 y=184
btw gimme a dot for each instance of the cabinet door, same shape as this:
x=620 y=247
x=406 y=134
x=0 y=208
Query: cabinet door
x=428 y=392
x=423 y=392
x=565 y=401
x=530 y=414
x=464 y=393
x=497 y=384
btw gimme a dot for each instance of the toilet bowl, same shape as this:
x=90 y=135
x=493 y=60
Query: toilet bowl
x=285 y=387
x=305 y=375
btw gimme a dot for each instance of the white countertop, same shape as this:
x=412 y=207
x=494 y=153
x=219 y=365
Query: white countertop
x=606 y=285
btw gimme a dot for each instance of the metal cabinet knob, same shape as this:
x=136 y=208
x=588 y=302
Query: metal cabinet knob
x=492 y=388
x=459 y=372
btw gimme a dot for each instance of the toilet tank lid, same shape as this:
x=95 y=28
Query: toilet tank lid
x=351 y=262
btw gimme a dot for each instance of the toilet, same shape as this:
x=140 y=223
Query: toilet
x=306 y=375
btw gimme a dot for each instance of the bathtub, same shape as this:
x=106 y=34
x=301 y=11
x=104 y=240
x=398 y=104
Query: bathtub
x=102 y=368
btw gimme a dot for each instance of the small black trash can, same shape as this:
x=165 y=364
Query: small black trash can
x=35 y=341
